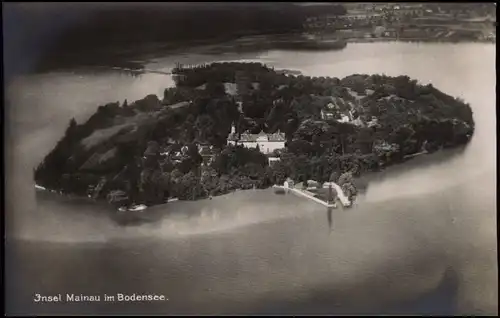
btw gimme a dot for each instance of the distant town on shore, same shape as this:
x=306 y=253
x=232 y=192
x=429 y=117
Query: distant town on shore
x=257 y=27
x=417 y=21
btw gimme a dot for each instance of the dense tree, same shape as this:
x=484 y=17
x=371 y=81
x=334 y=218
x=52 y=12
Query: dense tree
x=334 y=176
x=364 y=140
x=189 y=187
x=345 y=178
x=157 y=156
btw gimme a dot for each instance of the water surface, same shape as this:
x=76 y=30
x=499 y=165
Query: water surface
x=422 y=239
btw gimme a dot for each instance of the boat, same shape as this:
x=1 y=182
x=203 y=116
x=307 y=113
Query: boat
x=289 y=72
x=139 y=207
x=39 y=187
x=133 y=208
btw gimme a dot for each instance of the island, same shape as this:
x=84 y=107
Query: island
x=234 y=126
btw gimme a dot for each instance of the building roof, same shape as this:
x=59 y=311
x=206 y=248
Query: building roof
x=206 y=151
x=385 y=146
x=275 y=137
x=249 y=137
x=232 y=137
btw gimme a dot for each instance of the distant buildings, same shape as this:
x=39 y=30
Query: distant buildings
x=327 y=114
x=358 y=122
x=266 y=143
x=333 y=111
x=207 y=153
x=379 y=31
x=320 y=22
x=390 y=33
x=177 y=153
x=344 y=119
x=330 y=110
x=273 y=160
x=373 y=122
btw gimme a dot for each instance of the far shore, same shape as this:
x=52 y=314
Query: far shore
x=423 y=40
x=258 y=44
x=250 y=44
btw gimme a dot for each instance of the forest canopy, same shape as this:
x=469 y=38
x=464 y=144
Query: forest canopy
x=154 y=149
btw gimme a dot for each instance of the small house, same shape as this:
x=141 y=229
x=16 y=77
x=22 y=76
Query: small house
x=312 y=184
x=344 y=118
x=327 y=114
x=379 y=31
x=207 y=154
x=273 y=160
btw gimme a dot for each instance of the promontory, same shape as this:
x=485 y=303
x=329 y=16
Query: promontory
x=229 y=126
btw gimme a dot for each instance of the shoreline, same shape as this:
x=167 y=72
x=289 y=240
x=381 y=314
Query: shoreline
x=268 y=44
x=140 y=59
x=361 y=182
x=417 y=40
x=47 y=172
x=303 y=193
x=418 y=160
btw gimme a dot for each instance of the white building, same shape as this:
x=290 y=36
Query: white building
x=379 y=31
x=266 y=143
x=344 y=118
x=286 y=186
x=358 y=122
x=273 y=160
x=373 y=122
x=327 y=115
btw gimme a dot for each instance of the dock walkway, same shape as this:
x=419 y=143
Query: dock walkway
x=341 y=195
x=344 y=200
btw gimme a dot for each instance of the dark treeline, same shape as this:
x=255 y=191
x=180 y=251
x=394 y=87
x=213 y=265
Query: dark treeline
x=112 y=27
x=150 y=149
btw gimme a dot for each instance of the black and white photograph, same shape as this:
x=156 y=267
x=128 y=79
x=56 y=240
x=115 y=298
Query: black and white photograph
x=250 y=158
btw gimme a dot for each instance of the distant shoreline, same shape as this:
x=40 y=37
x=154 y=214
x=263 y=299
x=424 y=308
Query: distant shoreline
x=423 y=40
x=125 y=56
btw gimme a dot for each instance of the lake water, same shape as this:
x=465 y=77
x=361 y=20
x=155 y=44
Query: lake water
x=421 y=240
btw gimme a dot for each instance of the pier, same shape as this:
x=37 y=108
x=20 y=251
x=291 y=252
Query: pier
x=341 y=195
x=344 y=200
x=310 y=196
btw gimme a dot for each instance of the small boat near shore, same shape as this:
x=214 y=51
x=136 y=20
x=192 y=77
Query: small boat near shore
x=133 y=208
x=289 y=72
x=139 y=207
x=38 y=187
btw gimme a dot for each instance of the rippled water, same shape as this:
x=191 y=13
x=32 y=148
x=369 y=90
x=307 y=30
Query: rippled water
x=253 y=251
